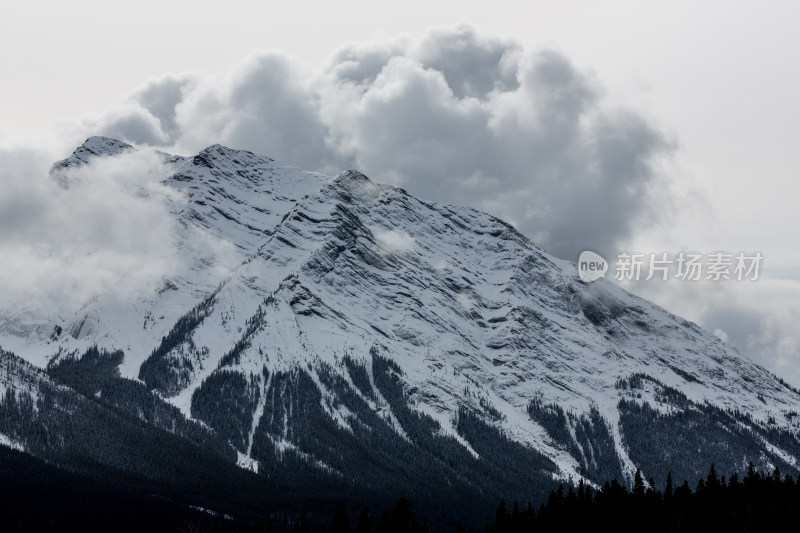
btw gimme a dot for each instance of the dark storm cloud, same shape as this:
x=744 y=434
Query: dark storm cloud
x=455 y=117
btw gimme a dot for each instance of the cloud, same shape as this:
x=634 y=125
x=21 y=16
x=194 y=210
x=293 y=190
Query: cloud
x=134 y=124
x=474 y=120
x=761 y=321
x=465 y=300
x=160 y=97
x=108 y=232
x=473 y=65
x=758 y=318
x=394 y=241
x=147 y=118
x=263 y=105
x=456 y=116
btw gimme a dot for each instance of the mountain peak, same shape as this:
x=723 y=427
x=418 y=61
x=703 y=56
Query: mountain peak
x=100 y=145
x=96 y=146
x=355 y=184
x=211 y=155
x=351 y=176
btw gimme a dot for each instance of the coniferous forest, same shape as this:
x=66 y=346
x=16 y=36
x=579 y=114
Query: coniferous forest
x=755 y=502
x=38 y=497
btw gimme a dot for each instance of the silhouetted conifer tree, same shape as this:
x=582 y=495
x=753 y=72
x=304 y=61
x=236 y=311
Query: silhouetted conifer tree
x=340 y=522
x=364 y=524
x=668 y=489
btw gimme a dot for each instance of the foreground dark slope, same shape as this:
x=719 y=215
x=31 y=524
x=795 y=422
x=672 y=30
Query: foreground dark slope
x=38 y=496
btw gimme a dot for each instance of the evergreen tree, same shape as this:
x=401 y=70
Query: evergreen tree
x=403 y=518
x=515 y=514
x=364 y=524
x=340 y=522
x=668 y=489
x=752 y=475
x=501 y=516
x=712 y=482
x=571 y=500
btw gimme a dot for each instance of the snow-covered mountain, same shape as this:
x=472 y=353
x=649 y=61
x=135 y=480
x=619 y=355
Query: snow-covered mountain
x=345 y=328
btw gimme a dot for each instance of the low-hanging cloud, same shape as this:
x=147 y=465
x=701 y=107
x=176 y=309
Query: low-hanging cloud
x=761 y=321
x=396 y=241
x=455 y=117
x=759 y=318
x=107 y=232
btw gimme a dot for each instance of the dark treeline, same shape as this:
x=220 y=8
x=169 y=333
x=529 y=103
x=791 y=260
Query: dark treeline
x=756 y=502
x=402 y=519
x=41 y=498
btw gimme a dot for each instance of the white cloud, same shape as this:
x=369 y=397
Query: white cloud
x=759 y=318
x=134 y=124
x=465 y=300
x=456 y=116
x=395 y=241
x=108 y=232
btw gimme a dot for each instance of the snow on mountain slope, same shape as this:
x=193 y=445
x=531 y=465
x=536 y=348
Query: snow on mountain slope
x=230 y=201
x=301 y=286
x=472 y=312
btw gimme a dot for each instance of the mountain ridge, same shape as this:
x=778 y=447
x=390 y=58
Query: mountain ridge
x=314 y=303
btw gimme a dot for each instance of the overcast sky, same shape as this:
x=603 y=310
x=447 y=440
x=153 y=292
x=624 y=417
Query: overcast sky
x=647 y=126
